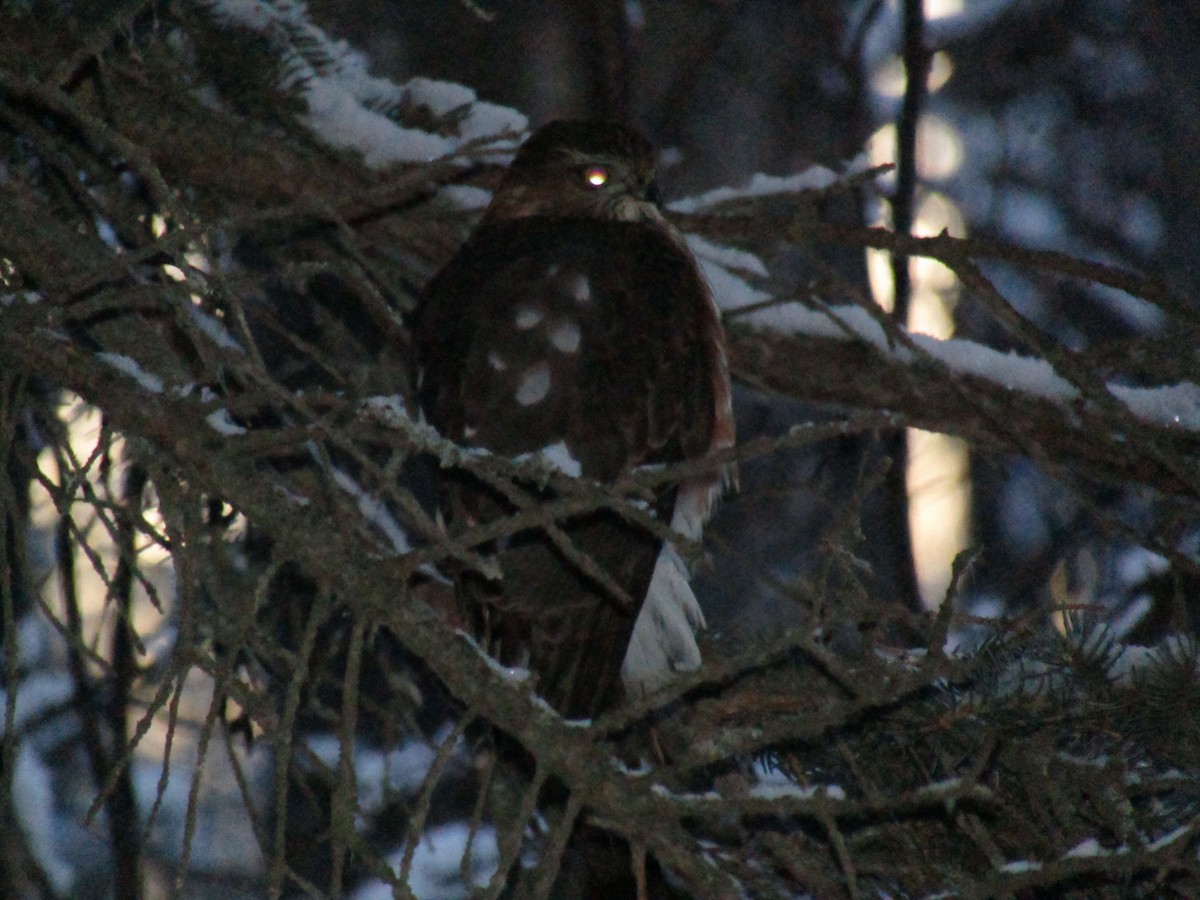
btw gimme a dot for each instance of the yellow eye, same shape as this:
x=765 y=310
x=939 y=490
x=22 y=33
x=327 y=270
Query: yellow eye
x=596 y=176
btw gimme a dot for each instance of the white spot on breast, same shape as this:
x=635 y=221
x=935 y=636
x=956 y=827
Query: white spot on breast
x=496 y=361
x=534 y=384
x=565 y=336
x=528 y=317
x=581 y=289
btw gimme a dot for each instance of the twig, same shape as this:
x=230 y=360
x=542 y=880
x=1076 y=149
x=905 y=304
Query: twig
x=417 y=819
x=122 y=804
x=284 y=736
x=345 y=794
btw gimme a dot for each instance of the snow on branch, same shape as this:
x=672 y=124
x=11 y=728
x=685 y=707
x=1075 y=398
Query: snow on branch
x=348 y=108
x=814 y=178
x=729 y=270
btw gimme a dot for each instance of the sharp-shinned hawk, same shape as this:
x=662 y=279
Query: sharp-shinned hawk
x=574 y=325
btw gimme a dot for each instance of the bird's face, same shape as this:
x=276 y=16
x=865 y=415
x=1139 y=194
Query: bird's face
x=593 y=170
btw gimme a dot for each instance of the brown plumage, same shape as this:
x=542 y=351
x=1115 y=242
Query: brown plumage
x=573 y=319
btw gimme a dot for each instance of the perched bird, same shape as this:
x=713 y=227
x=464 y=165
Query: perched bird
x=574 y=325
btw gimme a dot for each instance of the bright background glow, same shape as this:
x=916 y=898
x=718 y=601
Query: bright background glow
x=938 y=470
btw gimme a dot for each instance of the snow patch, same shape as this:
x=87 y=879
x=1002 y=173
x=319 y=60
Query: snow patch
x=381 y=774
x=465 y=196
x=797 y=791
x=480 y=119
x=1019 y=866
x=728 y=257
x=130 y=367
x=29 y=297
x=347 y=106
x=33 y=802
x=221 y=422
x=436 y=864
x=1171 y=405
x=338 y=117
x=1169 y=838
x=556 y=456
x=214 y=330
x=374 y=511
x=37 y=693
x=763 y=185
x=1084 y=849
x=108 y=234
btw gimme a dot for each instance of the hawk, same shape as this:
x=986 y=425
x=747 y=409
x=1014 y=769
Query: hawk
x=574 y=325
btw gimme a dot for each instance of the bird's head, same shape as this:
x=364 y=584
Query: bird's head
x=568 y=169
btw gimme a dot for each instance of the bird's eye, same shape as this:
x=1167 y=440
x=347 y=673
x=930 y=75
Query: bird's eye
x=596 y=176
